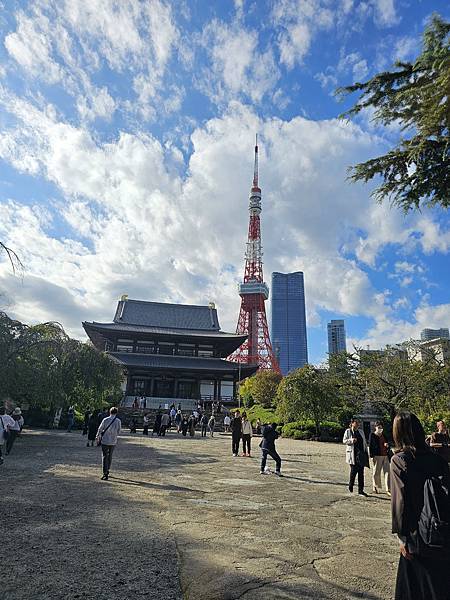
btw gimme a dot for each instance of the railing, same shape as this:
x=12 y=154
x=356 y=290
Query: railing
x=165 y=403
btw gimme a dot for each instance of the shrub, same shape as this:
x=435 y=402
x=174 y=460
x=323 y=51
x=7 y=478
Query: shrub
x=266 y=415
x=303 y=430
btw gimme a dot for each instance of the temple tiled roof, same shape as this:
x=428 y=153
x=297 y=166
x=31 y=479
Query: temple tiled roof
x=191 y=363
x=119 y=327
x=173 y=316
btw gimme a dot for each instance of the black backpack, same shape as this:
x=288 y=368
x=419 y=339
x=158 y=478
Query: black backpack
x=434 y=521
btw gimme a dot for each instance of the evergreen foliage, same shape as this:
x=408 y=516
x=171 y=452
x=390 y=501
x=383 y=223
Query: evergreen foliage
x=416 y=97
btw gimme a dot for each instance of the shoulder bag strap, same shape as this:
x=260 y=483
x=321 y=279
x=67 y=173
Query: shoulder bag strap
x=105 y=430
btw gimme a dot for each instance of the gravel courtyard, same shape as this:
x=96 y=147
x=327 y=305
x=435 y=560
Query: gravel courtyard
x=181 y=518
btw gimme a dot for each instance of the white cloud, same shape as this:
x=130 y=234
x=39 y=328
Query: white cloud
x=405 y=48
x=298 y=21
x=143 y=224
x=236 y=65
x=68 y=42
x=392 y=331
x=385 y=14
x=140 y=228
x=30 y=46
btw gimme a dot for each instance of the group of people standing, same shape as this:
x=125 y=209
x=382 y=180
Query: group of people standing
x=10 y=427
x=358 y=453
x=242 y=429
x=416 y=474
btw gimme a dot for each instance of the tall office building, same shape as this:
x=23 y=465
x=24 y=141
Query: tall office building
x=288 y=323
x=336 y=336
x=433 y=334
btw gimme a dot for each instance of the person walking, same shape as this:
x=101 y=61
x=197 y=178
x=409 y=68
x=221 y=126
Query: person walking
x=87 y=414
x=184 y=425
x=165 y=420
x=211 y=425
x=423 y=572
x=378 y=452
x=107 y=437
x=356 y=455
x=178 y=419
x=226 y=423
x=204 y=423
x=191 y=425
x=267 y=445
x=247 y=433
x=91 y=429
x=440 y=441
x=236 y=432
x=14 y=429
x=6 y=422
x=70 y=418
x=146 y=423
x=173 y=415
x=157 y=423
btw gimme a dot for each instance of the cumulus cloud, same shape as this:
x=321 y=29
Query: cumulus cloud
x=140 y=229
x=236 y=66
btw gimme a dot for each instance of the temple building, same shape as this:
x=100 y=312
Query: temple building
x=171 y=353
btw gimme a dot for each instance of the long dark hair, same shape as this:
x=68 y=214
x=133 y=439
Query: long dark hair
x=408 y=433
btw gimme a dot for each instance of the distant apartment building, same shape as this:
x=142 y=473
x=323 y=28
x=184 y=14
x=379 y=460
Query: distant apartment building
x=434 y=350
x=336 y=336
x=288 y=320
x=433 y=334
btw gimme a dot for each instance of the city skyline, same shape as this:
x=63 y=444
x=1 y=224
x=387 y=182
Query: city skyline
x=126 y=136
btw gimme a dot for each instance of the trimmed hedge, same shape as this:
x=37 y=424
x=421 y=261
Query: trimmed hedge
x=306 y=430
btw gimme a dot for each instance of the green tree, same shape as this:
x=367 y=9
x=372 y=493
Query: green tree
x=41 y=366
x=263 y=387
x=349 y=389
x=307 y=393
x=417 y=97
x=392 y=381
x=245 y=392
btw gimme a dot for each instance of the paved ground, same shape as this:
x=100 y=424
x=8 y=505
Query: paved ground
x=181 y=518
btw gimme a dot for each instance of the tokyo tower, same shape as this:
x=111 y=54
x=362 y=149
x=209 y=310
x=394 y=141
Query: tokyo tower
x=257 y=349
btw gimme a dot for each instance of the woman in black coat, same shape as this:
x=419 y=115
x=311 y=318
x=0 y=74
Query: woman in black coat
x=421 y=575
x=92 y=426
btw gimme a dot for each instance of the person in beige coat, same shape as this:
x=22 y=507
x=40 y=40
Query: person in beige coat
x=247 y=433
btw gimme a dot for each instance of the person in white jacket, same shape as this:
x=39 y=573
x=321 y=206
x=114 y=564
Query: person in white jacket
x=6 y=424
x=107 y=434
x=247 y=433
x=356 y=455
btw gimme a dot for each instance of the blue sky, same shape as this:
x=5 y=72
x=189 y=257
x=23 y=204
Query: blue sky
x=126 y=141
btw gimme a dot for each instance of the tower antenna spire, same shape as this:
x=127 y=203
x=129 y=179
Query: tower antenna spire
x=255 y=170
x=257 y=348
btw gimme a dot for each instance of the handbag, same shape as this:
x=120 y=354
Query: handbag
x=99 y=439
x=5 y=431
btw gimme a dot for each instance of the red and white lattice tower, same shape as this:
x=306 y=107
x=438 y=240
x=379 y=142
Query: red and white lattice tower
x=257 y=349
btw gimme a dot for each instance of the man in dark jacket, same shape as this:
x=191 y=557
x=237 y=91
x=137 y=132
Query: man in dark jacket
x=236 y=432
x=379 y=453
x=267 y=445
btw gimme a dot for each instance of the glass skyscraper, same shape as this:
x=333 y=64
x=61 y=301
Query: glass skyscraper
x=336 y=336
x=288 y=322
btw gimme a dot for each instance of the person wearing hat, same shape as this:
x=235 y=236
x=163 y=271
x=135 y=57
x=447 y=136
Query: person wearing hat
x=15 y=429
